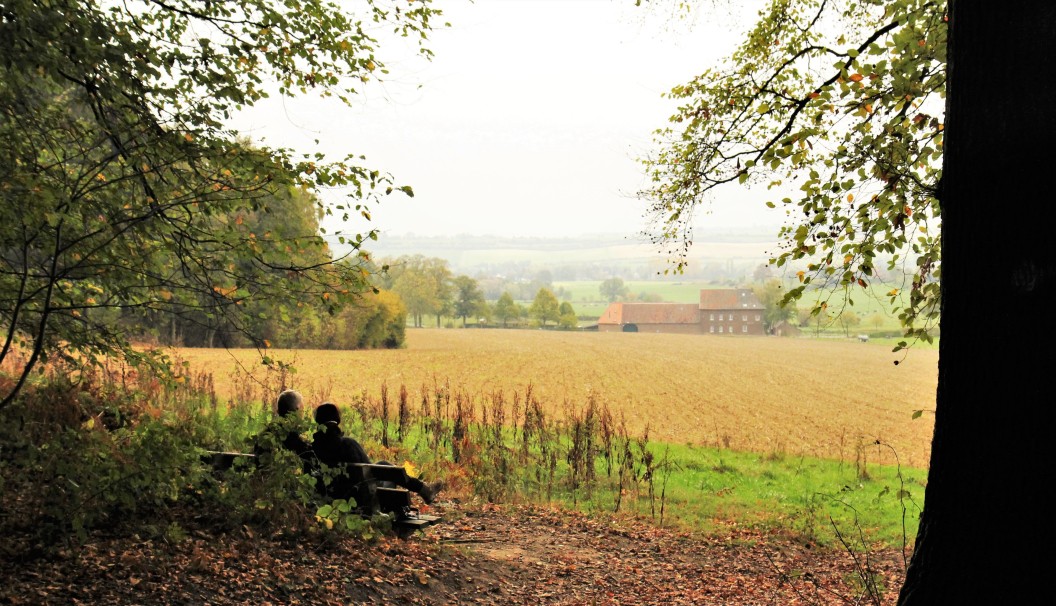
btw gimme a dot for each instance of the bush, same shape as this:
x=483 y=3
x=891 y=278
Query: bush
x=82 y=451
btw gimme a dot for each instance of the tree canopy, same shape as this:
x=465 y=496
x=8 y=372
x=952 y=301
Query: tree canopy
x=506 y=308
x=545 y=307
x=123 y=187
x=424 y=284
x=771 y=294
x=612 y=289
x=842 y=104
x=469 y=299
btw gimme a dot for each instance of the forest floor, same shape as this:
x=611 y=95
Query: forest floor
x=480 y=554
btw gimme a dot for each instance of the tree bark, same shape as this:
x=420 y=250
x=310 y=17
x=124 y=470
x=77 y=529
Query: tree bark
x=986 y=532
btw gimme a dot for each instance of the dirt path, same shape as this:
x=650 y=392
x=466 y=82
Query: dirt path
x=559 y=557
x=480 y=555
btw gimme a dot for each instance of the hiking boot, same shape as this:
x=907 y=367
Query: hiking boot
x=429 y=491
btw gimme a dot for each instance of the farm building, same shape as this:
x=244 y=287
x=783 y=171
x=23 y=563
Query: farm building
x=721 y=311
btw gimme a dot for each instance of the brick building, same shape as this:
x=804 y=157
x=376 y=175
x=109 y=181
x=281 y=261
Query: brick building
x=721 y=311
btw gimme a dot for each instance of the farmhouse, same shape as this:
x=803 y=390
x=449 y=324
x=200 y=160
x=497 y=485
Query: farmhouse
x=721 y=311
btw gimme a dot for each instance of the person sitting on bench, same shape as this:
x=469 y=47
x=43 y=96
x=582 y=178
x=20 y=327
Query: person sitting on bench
x=334 y=449
x=285 y=430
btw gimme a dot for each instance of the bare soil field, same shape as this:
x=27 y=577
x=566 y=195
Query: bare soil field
x=822 y=398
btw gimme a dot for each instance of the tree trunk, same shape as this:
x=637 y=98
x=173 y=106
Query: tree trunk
x=986 y=531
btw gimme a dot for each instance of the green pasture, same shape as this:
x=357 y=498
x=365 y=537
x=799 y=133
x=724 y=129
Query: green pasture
x=704 y=489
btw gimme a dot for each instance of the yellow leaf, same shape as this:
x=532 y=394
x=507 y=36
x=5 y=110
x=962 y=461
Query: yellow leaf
x=847 y=259
x=850 y=197
x=800 y=275
x=856 y=77
x=894 y=291
x=412 y=472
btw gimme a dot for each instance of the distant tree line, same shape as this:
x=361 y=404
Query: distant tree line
x=430 y=292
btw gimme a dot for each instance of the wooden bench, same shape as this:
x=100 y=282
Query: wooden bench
x=222 y=461
x=379 y=487
x=381 y=490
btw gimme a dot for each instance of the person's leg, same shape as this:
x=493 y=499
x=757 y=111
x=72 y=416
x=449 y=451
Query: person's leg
x=426 y=491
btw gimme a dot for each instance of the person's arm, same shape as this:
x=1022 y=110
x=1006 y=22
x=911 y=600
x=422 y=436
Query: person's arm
x=354 y=452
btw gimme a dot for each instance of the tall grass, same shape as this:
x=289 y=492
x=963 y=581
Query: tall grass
x=506 y=447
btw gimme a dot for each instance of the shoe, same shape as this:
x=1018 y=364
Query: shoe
x=429 y=491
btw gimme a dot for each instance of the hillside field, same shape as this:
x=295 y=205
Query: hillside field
x=770 y=395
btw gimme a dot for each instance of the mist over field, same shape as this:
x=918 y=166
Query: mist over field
x=585 y=257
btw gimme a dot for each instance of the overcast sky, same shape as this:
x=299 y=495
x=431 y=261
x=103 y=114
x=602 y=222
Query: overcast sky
x=529 y=121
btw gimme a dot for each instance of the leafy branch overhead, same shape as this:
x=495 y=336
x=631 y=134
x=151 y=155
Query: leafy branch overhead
x=124 y=190
x=841 y=102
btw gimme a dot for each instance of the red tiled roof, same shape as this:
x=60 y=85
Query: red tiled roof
x=728 y=298
x=650 y=313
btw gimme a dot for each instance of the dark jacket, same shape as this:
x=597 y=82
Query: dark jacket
x=282 y=432
x=333 y=448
